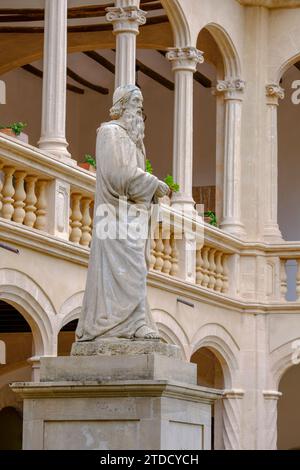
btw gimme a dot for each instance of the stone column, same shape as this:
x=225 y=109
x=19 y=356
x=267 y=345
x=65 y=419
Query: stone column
x=232 y=419
x=53 y=138
x=2 y=92
x=184 y=63
x=271 y=230
x=271 y=398
x=126 y=18
x=233 y=95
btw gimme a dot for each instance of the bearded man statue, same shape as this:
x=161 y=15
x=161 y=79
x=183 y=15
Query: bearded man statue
x=115 y=302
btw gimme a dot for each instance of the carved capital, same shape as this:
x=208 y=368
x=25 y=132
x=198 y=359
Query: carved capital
x=126 y=19
x=232 y=89
x=185 y=58
x=274 y=92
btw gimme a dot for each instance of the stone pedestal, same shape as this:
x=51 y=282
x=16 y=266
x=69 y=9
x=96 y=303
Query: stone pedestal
x=117 y=401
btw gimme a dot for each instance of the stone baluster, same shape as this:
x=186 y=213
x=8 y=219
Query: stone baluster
x=1 y=186
x=70 y=222
x=283 y=280
x=76 y=218
x=212 y=269
x=225 y=275
x=19 y=197
x=30 y=201
x=199 y=267
x=126 y=18
x=219 y=272
x=174 y=256
x=167 y=266
x=86 y=221
x=205 y=280
x=159 y=262
x=41 y=205
x=152 y=253
x=8 y=192
x=298 y=280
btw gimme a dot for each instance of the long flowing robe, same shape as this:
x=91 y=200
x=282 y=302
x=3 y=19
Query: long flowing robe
x=115 y=301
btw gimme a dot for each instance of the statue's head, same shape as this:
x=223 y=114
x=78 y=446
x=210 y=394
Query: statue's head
x=128 y=108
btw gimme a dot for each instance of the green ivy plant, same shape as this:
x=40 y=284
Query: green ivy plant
x=16 y=127
x=171 y=183
x=213 y=218
x=168 y=179
x=90 y=159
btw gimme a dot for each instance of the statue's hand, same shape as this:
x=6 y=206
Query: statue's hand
x=162 y=189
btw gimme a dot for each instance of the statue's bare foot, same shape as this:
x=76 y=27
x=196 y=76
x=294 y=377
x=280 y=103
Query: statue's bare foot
x=144 y=332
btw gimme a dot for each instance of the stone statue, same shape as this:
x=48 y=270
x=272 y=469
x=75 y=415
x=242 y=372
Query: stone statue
x=115 y=302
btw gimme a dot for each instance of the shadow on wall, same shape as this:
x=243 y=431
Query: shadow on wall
x=11 y=424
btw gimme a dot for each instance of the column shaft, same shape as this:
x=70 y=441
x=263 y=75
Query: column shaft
x=53 y=136
x=184 y=63
x=271 y=229
x=126 y=18
x=231 y=221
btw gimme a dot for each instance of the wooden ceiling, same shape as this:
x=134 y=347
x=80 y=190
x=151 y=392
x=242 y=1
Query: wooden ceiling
x=21 y=32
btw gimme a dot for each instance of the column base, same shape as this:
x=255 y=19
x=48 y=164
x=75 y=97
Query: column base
x=236 y=229
x=184 y=204
x=58 y=149
x=147 y=401
x=272 y=234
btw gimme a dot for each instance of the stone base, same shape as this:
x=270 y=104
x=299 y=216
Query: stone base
x=135 y=402
x=124 y=347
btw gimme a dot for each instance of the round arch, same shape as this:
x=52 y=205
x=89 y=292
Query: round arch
x=228 y=51
x=69 y=310
x=282 y=359
x=217 y=339
x=28 y=298
x=171 y=331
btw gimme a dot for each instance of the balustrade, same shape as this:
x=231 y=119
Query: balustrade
x=212 y=269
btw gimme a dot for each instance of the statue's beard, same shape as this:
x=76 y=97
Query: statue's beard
x=135 y=127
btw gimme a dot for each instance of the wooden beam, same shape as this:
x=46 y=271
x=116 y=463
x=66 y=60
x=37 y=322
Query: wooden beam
x=202 y=79
x=87 y=28
x=90 y=11
x=154 y=75
x=140 y=67
x=84 y=82
x=100 y=60
x=297 y=65
x=39 y=73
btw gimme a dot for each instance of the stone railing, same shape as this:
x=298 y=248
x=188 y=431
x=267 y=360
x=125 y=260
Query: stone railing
x=23 y=197
x=290 y=279
x=164 y=252
x=81 y=219
x=212 y=269
x=52 y=204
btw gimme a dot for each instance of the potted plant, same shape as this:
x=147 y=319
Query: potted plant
x=89 y=163
x=15 y=130
x=210 y=218
x=174 y=187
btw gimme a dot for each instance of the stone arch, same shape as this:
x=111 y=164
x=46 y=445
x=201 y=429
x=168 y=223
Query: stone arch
x=282 y=359
x=171 y=331
x=216 y=338
x=231 y=59
x=179 y=23
x=69 y=310
x=22 y=292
